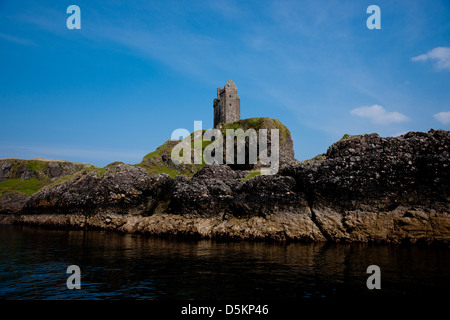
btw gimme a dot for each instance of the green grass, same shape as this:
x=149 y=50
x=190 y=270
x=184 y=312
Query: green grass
x=35 y=165
x=63 y=179
x=235 y=125
x=100 y=171
x=346 y=136
x=152 y=154
x=163 y=169
x=284 y=131
x=68 y=177
x=205 y=143
x=254 y=123
x=28 y=187
x=258 y=123
x=165 y=148
x=153 y=164
x=252 y=175
x=319 y=158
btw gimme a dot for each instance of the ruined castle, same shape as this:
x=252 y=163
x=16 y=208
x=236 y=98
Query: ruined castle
x=227 y=106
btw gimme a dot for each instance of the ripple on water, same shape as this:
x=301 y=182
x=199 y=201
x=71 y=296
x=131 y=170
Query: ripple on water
x=33 y=265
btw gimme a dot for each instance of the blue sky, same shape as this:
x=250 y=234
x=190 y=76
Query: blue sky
x=137 y=70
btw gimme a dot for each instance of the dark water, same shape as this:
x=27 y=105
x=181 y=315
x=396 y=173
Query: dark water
x=33 y=265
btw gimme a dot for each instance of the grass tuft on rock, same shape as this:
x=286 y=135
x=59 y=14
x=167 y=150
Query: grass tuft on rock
x=28 y=187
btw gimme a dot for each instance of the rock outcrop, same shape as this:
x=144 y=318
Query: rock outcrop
x=121 y=189
x=37 y=168
x=12 y=203
x=369 y=188
x=365 y=188
x=160 y=161
x=286 y=145
x=20 y=178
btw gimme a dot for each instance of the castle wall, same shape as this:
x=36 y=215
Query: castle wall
x=227 y=105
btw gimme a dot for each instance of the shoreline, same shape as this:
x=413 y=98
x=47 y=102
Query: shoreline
x=364 y=189
x=254 y=229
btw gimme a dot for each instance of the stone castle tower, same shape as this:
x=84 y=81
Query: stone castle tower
x=227 y=106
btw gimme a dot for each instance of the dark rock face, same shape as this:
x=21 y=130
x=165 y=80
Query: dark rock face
x=12 y=203
x=121 y=189
x=387 y=189
x=215 y=171
x=369 y=167
x=5 y=166
x=267 y=195
x=365 y=188
x=26 y=169
x=209 y=192
x=286 y=145
x=216 y=190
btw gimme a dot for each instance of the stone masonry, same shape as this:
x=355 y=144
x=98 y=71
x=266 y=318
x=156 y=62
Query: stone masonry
x=227 y=105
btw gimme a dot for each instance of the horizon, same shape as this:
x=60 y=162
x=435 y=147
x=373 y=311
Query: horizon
x=346 y=136
x=117 y=88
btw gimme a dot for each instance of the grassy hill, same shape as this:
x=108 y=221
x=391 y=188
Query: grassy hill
x=18 y=176
x=159 y=161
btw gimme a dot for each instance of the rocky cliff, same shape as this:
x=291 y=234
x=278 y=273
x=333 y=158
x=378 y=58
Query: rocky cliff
x=364 y=188
x=21 y=178
x=373 y=188
x=37 y=168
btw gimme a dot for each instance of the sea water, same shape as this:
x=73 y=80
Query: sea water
x=34 y=261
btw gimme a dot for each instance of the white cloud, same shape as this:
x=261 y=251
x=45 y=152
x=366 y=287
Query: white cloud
x=443 y=117
x=378 y=115
x=441 y=56
x=14 y=39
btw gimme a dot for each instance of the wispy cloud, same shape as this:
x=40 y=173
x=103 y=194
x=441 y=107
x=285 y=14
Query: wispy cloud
x=441 y=56
x=15 y=39
x=443 y=117
x=175 y=47
x=379 y=115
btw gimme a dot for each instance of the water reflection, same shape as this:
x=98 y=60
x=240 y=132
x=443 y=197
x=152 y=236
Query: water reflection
x=117 y=266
